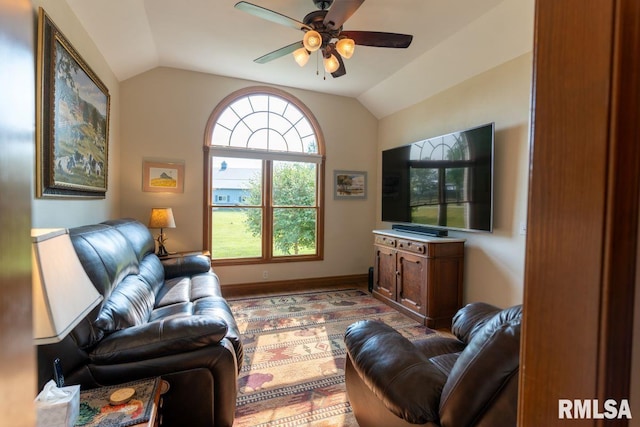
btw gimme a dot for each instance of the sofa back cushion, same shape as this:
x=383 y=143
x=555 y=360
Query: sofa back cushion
x=478 y=378
x=105 y=255
x=118 y=257
x=137 y=235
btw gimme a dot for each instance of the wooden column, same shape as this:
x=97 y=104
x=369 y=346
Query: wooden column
x=583 y=208
x=17 y=117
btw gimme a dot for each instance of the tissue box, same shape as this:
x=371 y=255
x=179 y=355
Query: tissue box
x=58 y=412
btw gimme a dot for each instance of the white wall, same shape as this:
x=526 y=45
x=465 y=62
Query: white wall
x=69 y=213
x=164 y=114
x=494 y=262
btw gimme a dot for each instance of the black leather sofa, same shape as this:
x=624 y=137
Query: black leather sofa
x=159 y=318
x=470 y=380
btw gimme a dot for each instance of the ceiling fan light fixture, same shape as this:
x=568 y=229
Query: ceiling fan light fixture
x=346 y=47
x=331 y=64
x=301 y=56
x=312 y=40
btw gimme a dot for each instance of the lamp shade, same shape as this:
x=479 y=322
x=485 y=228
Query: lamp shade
x=331 y=64
x=301 y=56
x=161 y=218
x=312 y=40
x=62 y=292
x=346 y=47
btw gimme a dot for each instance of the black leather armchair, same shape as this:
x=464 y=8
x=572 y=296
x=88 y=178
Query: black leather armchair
x=158 y=318
x=470 y=380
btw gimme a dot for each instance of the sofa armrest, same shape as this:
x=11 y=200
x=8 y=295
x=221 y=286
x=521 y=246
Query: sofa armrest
x=160 y=338
x=392 y=367
x=470 y=319
x=187 y=265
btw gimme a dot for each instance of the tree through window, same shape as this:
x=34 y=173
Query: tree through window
x=264 y=169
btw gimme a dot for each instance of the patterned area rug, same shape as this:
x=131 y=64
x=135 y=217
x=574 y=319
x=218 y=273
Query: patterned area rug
x=293 y=371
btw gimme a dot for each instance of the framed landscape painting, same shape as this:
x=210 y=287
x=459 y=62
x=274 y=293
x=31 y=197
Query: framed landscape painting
x=161 y=177
x=349 y=185
x=72 y=120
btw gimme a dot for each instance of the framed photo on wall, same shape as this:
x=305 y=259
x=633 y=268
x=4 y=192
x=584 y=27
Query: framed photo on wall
x=163 y=177
x=349 y=185
x=72 y=120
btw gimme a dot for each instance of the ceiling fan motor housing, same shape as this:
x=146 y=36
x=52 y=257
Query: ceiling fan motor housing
x=322 y=4
x=315 y=20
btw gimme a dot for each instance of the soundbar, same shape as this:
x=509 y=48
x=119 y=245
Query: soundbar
x=427 y=231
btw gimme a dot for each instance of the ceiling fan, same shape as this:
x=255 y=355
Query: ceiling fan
x=323 y=32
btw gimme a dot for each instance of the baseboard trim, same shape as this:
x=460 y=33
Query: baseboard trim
x=296 y=285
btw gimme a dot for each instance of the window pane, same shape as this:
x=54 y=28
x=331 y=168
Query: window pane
x=242 y=107
x=221 y=136
x=240 y=136
x=294 y=184
x=294 y=231
x=310 y=144
x=228 y=119
x=277 y=104
x=236 y=181
x=257 y=121
x=259 y=102
x=293 y=114
x=236 y=233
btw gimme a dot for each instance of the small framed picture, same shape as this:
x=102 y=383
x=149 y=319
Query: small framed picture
x=350 y=185
x=161 y=177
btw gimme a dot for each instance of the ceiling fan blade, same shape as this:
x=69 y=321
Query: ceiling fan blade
x=341 y=71
x=278 y=53
x=379 y=39
x=339 y=12
x=270 y=15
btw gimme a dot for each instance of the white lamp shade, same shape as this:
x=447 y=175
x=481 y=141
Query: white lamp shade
x=312 y=40
x=301 y=56
x=62 y=292
x=331 y=64
x=346 y=47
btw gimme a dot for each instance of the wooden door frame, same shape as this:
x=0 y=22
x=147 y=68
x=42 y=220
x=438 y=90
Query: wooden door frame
x=18 y=386
x=582 y=243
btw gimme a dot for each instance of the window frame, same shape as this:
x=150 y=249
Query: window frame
x=268 y=157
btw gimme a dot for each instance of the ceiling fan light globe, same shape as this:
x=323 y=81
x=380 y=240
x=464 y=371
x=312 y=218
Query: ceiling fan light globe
x=346 y=47
x=301 y=56
x=331 y=64
x=312 y=40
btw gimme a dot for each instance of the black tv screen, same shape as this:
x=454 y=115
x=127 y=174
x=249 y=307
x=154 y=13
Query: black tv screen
x=444 y=182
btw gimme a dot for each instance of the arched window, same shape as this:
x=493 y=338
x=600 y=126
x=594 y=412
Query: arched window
x=264 y=175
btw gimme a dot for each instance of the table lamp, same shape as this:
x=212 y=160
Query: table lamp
x=161 y=218
x=62 y=292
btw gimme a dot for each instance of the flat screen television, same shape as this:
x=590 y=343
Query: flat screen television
x=443 y=182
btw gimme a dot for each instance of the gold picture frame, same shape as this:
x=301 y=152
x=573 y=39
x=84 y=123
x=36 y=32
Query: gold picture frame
x=72 y=121
x=163 y=177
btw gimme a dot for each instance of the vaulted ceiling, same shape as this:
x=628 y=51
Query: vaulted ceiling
x=453 y=40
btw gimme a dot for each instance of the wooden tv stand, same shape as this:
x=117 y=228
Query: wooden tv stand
x=418 y=275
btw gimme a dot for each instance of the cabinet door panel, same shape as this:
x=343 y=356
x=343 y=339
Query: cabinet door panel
x=412 y=281
x=445 y=293
x=384 y=280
